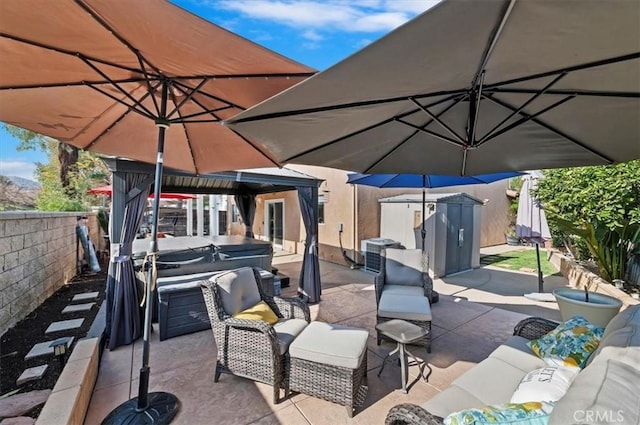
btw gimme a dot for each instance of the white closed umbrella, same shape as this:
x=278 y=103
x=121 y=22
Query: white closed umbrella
x=531 y=222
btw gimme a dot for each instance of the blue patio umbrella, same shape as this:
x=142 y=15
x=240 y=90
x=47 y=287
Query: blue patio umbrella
x=425 y=181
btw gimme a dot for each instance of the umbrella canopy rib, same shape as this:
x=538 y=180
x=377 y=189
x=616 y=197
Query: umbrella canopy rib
x=524 y=105
x=69 y=53
x=373 y=126
x=436 y=119
x=581 y=67
x=556 y=131
x=508 y=7
x=525 y=118
x=348 y=105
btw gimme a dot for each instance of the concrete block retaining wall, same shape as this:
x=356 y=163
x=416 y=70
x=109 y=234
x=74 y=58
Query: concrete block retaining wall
x=37 y=257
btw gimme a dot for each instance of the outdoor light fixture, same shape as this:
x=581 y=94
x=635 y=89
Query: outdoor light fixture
x=60 y=349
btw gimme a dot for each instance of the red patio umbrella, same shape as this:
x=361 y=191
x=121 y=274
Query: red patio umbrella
x=108 y=190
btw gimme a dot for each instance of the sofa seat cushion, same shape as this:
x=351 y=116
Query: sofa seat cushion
x=492 y=381
x=605 y=392
x=517 y=353
x=287 y=330
x=330 y=344
x=451 y=399
x=407 y=307
x=414 y=291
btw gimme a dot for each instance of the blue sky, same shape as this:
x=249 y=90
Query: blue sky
x=316 y=33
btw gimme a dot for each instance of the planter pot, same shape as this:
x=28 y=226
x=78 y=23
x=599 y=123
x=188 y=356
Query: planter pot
x=513 y=240
x=599 y=310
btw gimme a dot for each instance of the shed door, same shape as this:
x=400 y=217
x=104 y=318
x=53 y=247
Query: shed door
x=459 y=237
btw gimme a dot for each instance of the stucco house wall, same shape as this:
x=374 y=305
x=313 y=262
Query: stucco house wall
x=356 y=210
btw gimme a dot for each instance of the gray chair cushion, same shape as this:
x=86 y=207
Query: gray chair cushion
x=608 y=391
x=330 y=344
x=403 y=267
x=405 y=307
x=414 y=291
x=238 y=290
x=287 y=330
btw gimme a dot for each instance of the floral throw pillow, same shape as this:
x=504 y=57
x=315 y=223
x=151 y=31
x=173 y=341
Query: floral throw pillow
x=529 y=413
x=569 y=344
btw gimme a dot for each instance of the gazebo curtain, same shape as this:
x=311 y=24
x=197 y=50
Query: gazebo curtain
x=124 y=321
x=246 y=204
x=309 y=283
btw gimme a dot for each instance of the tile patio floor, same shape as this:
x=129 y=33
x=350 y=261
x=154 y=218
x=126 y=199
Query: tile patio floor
x=477 y=312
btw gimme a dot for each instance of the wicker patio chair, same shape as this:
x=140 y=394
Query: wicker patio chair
x=412 y=414
x=252 y=349
x=405 y=289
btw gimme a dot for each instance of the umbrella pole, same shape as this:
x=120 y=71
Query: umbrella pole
x=423 y=231
x=540 y=281
x=157 y=407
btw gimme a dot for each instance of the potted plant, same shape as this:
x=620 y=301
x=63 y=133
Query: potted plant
x=512 y=239
x=597 y=308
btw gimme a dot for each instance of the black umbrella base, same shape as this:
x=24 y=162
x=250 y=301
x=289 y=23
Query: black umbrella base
x=162 y=408
x=435 y=297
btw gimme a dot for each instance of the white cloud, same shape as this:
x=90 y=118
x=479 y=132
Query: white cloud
x=410 y=6
x=17 y=168
x=331 y=15
x=312 y=35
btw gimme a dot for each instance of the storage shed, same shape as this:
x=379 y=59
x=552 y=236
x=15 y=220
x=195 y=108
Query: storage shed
x=452 y=226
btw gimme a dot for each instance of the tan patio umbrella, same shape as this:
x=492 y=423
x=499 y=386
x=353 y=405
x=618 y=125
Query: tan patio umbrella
x=471 y=87
x=115 y=78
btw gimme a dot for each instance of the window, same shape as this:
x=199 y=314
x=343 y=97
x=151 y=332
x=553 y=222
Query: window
x=321 y=201
x=235 y=215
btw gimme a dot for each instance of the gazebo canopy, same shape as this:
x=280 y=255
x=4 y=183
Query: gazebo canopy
x=255 y=181
x=246 y=183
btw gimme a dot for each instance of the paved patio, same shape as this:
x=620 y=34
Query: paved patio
x=477 y=312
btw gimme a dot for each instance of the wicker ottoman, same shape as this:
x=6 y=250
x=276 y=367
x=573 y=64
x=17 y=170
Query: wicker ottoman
x=330 y=362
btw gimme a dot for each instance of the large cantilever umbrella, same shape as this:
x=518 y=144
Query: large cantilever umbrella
x=471 y=87
x=116 y=78
x=425 y=181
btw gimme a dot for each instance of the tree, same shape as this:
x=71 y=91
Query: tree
x=600 y=205
x=66 y=176
x=67 y=154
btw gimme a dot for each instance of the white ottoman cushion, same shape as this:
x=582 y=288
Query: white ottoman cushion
x=287 y=330
x=331 y=344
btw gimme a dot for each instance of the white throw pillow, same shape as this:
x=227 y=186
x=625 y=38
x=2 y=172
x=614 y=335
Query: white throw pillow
x=545 y=384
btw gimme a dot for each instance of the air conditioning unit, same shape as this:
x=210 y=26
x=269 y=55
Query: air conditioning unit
x=371 y=249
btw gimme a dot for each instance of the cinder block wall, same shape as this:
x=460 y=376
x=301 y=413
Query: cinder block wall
x=37 y=257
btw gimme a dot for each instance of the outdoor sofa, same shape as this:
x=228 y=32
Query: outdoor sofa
x=606 y=390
